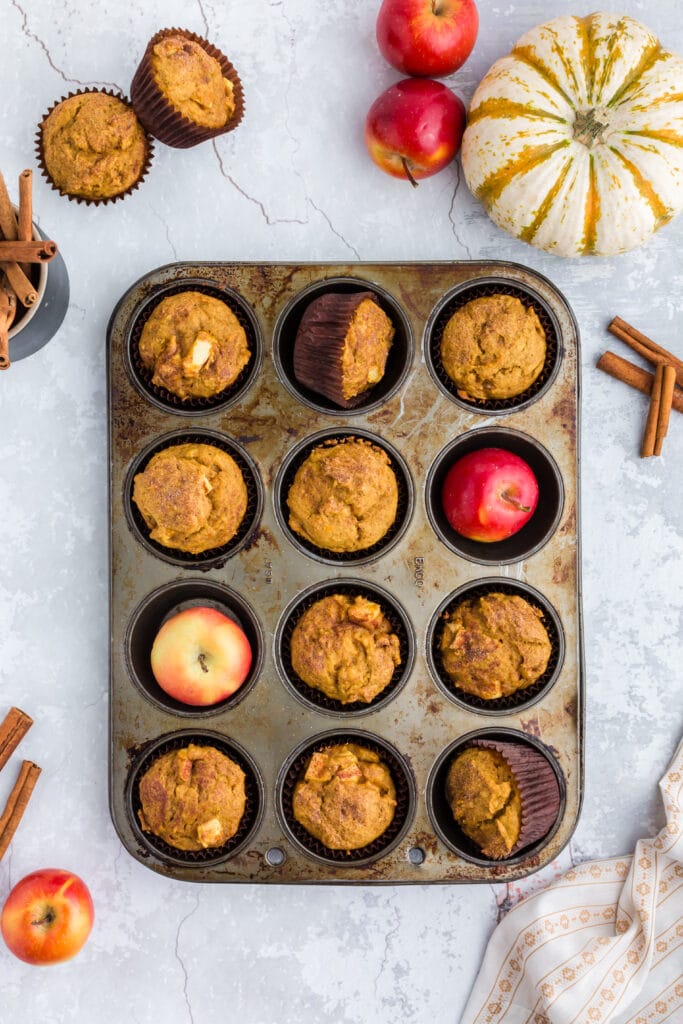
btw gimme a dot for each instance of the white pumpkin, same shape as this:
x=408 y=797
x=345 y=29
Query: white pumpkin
x=575 y=140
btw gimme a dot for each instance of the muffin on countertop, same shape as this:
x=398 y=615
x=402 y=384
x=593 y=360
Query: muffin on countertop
x=485 y=800
x=341 y=346
x=345 y=647
x=493 y=347
x=346 y=798
x=193 y=345
x=93 y=146
x=192 y=497
x=344 y=496
x=493 y=645
x=193 y=798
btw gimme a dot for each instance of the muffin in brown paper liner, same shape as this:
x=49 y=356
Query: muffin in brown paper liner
x=321 y=345
x=93 y=200
x=160 y=117
x=538 y=789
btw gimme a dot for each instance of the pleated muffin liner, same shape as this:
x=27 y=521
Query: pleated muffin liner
x=252 y=808
x=319 y=345
x=538 y=789
x=495 y=405
x=160 y=117
x=40 y=155
x=403 y=811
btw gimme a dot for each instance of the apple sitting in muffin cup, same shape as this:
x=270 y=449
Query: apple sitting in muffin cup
x=489 y=494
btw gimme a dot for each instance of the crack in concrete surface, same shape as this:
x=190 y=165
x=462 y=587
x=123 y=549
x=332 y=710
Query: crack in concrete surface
x=333 y=229
x=458 y=182
x=180 y=959
x=270 y=221
x=204 y=17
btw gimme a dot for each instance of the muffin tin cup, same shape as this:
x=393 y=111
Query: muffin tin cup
x=522 y=698
x=253 y=811
x=454 y=301
x=285 y=478
x=195 y=406
x=161 y=118
x=316 y=699
x=292 y=771
x=543 y=523
x=440 y=812
x=161 y=605
x=40 y=156
x=214 y=557
x=398 y=360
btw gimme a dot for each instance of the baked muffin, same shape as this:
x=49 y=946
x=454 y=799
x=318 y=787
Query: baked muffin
x=503 y=795
x=493 y=347
x=193 y=345
x=346 y=798
x=185 y=90
x=344 y=496
x=493 y=645
x=192 y=798
x=341 y=346
x=93 y=147
x=192 y=497
x=344 y=646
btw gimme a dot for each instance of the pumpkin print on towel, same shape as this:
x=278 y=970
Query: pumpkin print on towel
x=575 y=139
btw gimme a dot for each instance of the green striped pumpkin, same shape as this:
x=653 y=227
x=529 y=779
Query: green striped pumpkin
x=574 y=141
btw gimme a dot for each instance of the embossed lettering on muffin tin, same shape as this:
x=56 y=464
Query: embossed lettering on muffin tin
x=270 y=571
x=400 y=624
x=197 y=406
x=454 y=301
x=398 y=360
x=521 y=699
x=441 y=815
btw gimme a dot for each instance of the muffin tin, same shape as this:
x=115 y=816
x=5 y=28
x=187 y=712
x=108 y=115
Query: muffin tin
x=265 y=577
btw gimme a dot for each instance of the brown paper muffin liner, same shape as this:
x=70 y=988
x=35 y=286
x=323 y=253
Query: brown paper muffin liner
x=40 y=156
x=538 y=787
x=319 y=345
x=164 y=121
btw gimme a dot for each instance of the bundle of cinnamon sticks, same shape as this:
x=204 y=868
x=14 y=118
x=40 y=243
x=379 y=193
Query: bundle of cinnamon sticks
x=12 y=730
x=18 y=251
x=664 y=386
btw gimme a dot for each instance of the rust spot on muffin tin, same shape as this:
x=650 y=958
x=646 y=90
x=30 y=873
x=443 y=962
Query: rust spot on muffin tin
x=270 y=572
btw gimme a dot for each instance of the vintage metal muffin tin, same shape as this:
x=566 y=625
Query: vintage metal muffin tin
x=266 y=576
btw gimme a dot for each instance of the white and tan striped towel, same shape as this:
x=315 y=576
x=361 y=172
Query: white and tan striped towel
x=604 y=943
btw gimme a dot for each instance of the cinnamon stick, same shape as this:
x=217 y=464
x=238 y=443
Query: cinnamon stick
x=13 y=728
x=17 y=803
x=28 y=252
x=25 y=218
x=8 y=308
x=634 y=376
x=21 y=286
x=645 y=346
x=8 y=221
x=648 y=446
x=668 y=382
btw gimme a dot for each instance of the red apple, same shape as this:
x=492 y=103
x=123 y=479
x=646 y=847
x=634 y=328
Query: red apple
x=200 y=656
x=489 y=494
x=427 y=37
x=47 y=916
x=414 y=128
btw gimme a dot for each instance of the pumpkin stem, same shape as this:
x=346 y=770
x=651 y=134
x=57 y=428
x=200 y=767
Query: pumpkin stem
x=588 y=129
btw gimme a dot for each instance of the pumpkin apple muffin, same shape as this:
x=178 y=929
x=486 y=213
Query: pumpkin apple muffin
x=192 y=81
x=485 y=800
x=193 y=798
x=193 y=345
x=344 y=496
x=494 y=645
x=346 y=798
x=93 y=146
x=192 y=497
x=493 y=347
x=341 y=346
x=345 y=647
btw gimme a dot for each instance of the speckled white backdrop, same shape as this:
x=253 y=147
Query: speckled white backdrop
x=294 y=182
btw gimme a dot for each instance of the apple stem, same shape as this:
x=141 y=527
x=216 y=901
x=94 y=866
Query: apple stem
x=506 y=496
x=409 y=176
x=202 y=661
x=47 y=918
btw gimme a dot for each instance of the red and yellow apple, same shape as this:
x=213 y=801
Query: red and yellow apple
x=427 y=37
x=47 y=916
x=489 y=494
x=414 y=128
x=200 y=656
